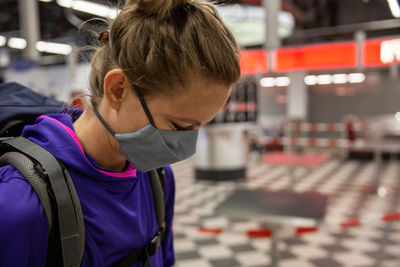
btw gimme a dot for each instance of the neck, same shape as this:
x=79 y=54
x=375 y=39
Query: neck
x=98 y=142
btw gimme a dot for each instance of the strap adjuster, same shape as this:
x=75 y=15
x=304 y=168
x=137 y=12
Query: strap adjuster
x=154 y=244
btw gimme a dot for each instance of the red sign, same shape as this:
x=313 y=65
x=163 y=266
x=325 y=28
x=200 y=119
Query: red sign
x=253 y=61
x=316 y=57
x=375 y=53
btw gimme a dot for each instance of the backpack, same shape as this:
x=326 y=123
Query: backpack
x=19 y=106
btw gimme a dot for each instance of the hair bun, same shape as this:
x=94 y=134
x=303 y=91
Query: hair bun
x=156 y=8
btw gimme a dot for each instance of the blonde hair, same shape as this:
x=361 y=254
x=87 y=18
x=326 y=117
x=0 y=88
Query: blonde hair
x=157 y=43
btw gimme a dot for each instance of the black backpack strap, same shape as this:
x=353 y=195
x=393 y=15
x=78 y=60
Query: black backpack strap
x=25 y=166
x=157 y=181
x=69 y=213
x=157 y=187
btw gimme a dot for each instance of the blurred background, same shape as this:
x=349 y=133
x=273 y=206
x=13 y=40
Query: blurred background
x=313 y=125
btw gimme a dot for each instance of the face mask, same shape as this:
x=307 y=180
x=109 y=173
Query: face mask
x=150 y=148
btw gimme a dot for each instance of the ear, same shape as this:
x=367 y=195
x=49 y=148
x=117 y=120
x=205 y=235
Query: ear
x=116 y=85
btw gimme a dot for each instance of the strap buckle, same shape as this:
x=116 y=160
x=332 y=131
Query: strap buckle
x=154 y=244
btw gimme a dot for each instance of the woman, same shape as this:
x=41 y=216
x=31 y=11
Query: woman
x=164 y=70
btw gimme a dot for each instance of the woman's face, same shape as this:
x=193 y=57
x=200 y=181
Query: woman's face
x=196 y=105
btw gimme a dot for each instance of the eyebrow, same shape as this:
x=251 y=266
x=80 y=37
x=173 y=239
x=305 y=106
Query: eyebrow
x=194 y=122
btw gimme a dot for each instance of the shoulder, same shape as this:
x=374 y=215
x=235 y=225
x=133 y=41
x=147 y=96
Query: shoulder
x=19 y=204
x=23 y=224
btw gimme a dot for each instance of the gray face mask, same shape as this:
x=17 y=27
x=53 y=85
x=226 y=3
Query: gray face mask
x=150 y=148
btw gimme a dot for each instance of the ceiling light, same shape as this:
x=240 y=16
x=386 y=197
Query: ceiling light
x=394 y=8
x=356 y=77
x=94 y=8
x=46 y=1
x=267 y=82
x=339 y=78
x=54 y=48
x=65 y=3
x=310 y=80
x=17 y=43
x=282 y=81
x=3 y=40
x=324 y=79
x=90 y=7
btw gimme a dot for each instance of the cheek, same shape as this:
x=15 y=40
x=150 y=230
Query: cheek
x=131 y=118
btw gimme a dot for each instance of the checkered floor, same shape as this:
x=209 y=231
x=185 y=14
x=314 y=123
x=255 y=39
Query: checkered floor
x=373 y=244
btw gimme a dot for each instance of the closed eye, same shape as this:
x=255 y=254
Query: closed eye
x=178 y=127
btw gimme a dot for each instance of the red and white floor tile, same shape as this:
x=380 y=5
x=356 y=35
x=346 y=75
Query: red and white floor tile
x=373 y=244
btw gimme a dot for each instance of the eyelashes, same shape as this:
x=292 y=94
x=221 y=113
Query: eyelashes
x=178 y=127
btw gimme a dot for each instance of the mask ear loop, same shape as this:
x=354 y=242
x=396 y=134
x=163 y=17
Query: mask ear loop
x=96 y=111
x=145 y=108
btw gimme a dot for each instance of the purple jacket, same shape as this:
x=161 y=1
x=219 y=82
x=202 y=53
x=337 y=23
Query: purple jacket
x=118 y=208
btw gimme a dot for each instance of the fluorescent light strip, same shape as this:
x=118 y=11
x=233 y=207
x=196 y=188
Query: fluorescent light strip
x=65 y=3
x=282 y=81
x=54 y=48
x=324 y=79
x=267 y=82
x=17 y=43
x=89 y=7
x=339 y=78
x=272 y=82
x=356 y=77
x=394 y=8
x=3 y=40
x=310 y=80
x=48 y=47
